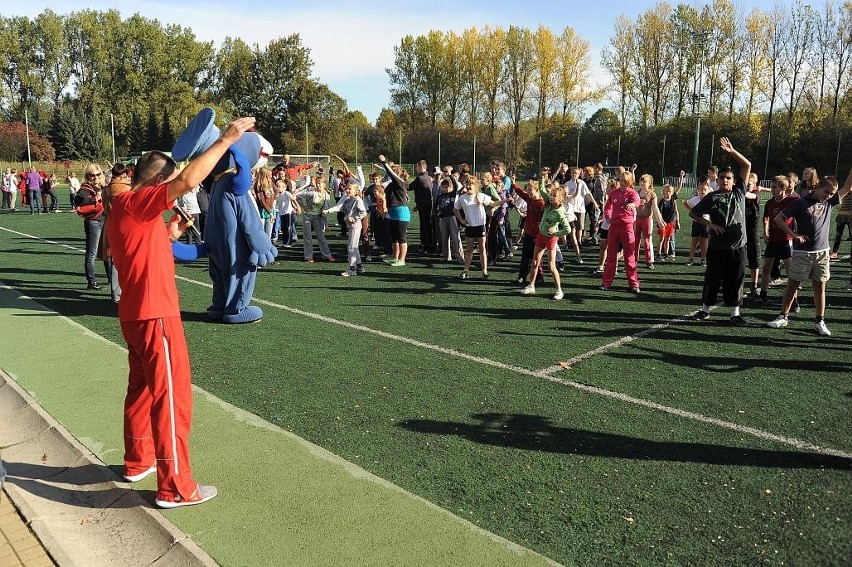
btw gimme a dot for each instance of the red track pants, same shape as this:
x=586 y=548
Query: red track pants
x=158 y=406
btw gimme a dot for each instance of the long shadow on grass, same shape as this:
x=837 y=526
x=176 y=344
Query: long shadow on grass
x=70 y=302
x=725 y=364
x=536 y=433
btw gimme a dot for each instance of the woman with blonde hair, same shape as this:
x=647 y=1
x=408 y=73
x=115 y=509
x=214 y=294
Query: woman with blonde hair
x=315 y=201
x=264 y=195
x=809 y=181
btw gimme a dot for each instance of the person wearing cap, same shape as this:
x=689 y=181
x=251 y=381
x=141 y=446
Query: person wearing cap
x=158 y=404
x=88 y=204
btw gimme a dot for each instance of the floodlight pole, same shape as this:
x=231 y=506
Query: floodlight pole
x=663 y=163
x=112 y=127
x=474 y=154
x=27 y=124
x=439 y=148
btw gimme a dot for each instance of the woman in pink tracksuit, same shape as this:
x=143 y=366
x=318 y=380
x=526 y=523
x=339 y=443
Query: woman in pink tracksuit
x=620 y=211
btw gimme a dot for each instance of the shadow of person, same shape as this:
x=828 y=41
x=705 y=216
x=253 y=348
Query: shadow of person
x=87 y=486
x=537 y=433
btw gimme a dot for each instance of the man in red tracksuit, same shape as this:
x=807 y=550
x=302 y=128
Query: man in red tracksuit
x=158 y=405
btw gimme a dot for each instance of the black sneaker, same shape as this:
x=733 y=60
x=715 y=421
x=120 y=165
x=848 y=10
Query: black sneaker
x=738 y=321
x=94 y=285
x=796 y=307
x=701 y=315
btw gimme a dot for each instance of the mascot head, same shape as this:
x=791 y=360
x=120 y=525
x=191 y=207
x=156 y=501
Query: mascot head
x=202 y=133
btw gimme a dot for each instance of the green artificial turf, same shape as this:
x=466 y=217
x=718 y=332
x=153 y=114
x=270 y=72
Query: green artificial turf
x=582 y=478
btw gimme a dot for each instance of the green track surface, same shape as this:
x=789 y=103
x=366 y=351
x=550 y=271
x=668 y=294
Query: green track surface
x=578 y=477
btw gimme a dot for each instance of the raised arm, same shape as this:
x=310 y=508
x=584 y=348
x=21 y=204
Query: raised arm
x=390 y=172
x=200 y=167
x=742 y=161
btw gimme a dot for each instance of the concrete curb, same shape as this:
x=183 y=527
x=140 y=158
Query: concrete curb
x=74 y=503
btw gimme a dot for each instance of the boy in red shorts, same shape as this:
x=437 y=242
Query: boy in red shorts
x=158 y=405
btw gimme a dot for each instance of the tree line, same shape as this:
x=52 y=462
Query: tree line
x=777 y=81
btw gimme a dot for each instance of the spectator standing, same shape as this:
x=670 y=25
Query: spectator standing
x=34 y=183
x=89 y=204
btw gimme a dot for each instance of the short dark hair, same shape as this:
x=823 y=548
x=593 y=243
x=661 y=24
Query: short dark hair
x=152 y=164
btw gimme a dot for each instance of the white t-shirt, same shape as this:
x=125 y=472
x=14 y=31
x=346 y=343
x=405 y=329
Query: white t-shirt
x=189 y=201
x=473 y=206
x=575 y=195
x=284 y=203
x=694 y=200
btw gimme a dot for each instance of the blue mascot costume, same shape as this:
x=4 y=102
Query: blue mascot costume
x=234 y=239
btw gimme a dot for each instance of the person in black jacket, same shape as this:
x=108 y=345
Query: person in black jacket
x=422 y=187
x=88 y=204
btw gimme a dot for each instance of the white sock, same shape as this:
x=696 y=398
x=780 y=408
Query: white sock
x=735 y=311
x=705 y=308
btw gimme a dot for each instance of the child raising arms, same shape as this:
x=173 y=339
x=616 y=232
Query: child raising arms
x=555 y=222
x=353 y=209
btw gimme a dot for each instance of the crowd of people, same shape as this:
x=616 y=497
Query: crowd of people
x=463 y=215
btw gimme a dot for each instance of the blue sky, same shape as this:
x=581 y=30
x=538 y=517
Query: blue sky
x=352 y=43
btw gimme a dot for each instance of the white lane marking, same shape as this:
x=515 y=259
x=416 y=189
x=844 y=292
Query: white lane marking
x=758 y=433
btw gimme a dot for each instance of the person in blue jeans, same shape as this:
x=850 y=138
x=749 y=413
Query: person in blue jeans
x=34 y=182
x=89 y=205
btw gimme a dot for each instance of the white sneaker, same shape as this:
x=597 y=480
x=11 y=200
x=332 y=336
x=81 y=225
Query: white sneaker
x=529 y=290
x=780 y=321
x=558 y=294
x=140 y=476
x=202 y=494
x=822 y=329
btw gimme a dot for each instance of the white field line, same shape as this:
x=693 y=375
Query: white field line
x=545 y=374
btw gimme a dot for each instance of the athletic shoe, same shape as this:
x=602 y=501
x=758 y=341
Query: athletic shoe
x=309 y=260
x=330 y=259
x=139 y=476
x=396 y=263
x=348 y=273
x=202 y=494
x=558 y=295
x=778 y=322
x=777 y=281
x=596 y=272
x=701 y=315
x=703 y=263
x=465 y=275
x=650 y=266
x=822 y=329
x=359 y=270
x=832 y=256
x=605 y=288
x=849 y=287
x=635 y=290
x=485 y=275
x=529 y=290
x=93 y=285
x=738 y=321
x=690 y=262
x=795 y=308
x=579 y=260
x=521 y=280
x=388 y=259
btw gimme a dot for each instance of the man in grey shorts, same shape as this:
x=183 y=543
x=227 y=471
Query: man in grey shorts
x=810 y=246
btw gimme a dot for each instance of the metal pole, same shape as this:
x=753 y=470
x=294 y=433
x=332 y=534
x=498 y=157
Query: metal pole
x=695 y=145
x=474 y=154
x=663 y=162
x=356 y=146
x=712 y=147
x=112 y=127
x=306 y=141
x=618 y=157
x=439 y=148
x=539 y=153
x=837 y=161
x=578 y=148
x=766 y=161
x=400 y=148
x=27 y=123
